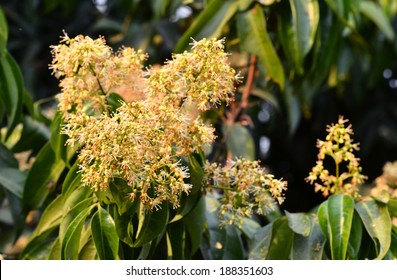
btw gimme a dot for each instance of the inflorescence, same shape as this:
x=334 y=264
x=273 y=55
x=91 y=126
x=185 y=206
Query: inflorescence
x=143 y=141
x=339 y=146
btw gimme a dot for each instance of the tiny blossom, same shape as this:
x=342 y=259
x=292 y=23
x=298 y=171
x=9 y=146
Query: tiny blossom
x=141 y=142
x=339 y=146
x=246 y=188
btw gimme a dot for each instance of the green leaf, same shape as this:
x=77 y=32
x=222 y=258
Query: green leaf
x=151 y=224
x=13 y=180
x=281 y=241
x=70 y=244
x=255 y=39
x=210 y=22
x=392 y=205
x=299 y=223
x=195 y=224
x=104 y=235
x=3 y=32
x=259 y=245
x=7 y=158
x=239 y=141
x=51 y=217
x=88 y=252
x=340 y=7
x=123 y=223
x=58 y=140
x=310 y=247
x=72 y=206
x=298 y=29
x=176 y=241
x=375 y=13
x=335 y=218
x=329 y=36
x=11 y=86
x=114 y=101
x=42 y=177
x=377 y=222
x=34 y=136
x=55 y=251
x=355 y=238
x=249 y=227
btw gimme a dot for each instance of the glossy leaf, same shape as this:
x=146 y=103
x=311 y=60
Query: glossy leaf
x=55 y=251
x=71 y=210
x=335 y=218
x=375 y=13
x=88 y=251
x=255 y=39
x=104 y=235
x=42 y=177
x=51 y=217
x=11 y=86
x=3 y=32
x=70 y=244
x=13 y=180
x=210 y=22
x=239 y=141
x=298 y=30
x=377 y=222
x=310 y=247
x=58 y=140
x=300 y=223
x=281 y=241
x=355 y=239
x=123 y=223
x=151 y=224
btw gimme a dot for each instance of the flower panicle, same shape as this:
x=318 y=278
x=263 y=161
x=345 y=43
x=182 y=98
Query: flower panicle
x=246 y=188
x=339 y=146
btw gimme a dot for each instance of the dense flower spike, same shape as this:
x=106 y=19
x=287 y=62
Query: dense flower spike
x=340 y=147
x=143 y=140
x=246 y=188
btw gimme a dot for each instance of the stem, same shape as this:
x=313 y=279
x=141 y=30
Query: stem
x=97 y=79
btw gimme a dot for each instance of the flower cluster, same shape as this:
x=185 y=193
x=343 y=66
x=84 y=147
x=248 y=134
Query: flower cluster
x=246 y=188
x=387 y=181
x=340 y=147
x=142 y=141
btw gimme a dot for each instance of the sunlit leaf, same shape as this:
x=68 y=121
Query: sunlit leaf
x=70 y=244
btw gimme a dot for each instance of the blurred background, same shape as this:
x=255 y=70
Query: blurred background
x=313 y=61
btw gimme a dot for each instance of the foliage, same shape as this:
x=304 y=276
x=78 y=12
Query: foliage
x=303 y=62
